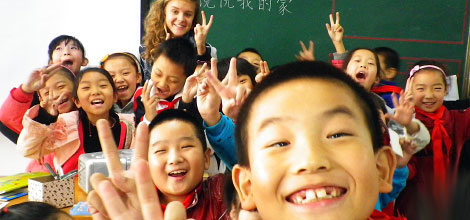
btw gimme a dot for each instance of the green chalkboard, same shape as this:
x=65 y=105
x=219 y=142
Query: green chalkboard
x=417 y=29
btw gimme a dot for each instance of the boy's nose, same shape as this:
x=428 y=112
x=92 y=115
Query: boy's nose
x=174 y=157
x=310 y=158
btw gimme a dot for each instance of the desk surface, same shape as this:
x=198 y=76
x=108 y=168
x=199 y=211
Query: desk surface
x=80 y=196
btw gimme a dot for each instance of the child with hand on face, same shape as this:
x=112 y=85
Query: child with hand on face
x=63 y=50
x=433 y=171
x=66 y=136
x=177 y=155
x=169 y=19
x=127 y=75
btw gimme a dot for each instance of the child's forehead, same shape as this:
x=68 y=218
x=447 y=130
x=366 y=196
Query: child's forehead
x=67 y=42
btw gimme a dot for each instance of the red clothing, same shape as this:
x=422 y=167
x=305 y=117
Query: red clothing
x=206 y=202
x=377 y=215
x=421 y=170
x=14 y=107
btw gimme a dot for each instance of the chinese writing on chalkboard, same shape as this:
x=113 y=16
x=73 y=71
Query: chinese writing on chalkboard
x=281 y=6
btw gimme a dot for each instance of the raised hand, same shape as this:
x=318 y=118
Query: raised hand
x=408 y=149
x=191 y=84
x=127 y=194
x=336 y=32
x=49 y=104
x=38 y=78
x=208 y=101
x=404 y=107
x=200 y=33
x=306 y=54
x=231 y=93
x=264 y=71
x=149 y=100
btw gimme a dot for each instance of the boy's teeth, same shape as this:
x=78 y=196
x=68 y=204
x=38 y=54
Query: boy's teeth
x=321 y=193
x=315 y=195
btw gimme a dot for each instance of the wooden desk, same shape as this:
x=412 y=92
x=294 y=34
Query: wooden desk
x=80 y=196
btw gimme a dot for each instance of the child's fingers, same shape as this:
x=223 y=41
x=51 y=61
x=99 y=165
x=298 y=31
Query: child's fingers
x=141 y=142
x=337 y=18
x=332 y=22
x=95 y=203
x=109 y=148
x=51 y=68
x=395 y=100
x=303 y=46
x=232 y=72
x=148 y=197
x=203 y=16
x=175 y=211
x=212 y=80
x=328 y=27
x=114 y=204
x=310 y=46
x=211 y=20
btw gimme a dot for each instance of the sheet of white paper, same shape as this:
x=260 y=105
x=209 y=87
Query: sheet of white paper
x=395 y=142
x=453 y=89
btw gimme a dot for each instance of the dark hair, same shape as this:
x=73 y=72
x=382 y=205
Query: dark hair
x=306 y=70
x=434 y=63
x=58 y=40
x=180 y=51
x=31 y=210
x=92 y=69
x=250 y=49
x=180 y=115
x=351 y=54
x=128 y=56
x=392 y=59
x=243 y=68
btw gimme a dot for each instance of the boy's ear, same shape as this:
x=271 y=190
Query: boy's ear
x=241 y=178
x=85 y=62
x=386 y=163
x=207 y=158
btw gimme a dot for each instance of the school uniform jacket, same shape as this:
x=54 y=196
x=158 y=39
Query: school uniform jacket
x=61 y=138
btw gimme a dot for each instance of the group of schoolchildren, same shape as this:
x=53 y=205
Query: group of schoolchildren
x=306 y=140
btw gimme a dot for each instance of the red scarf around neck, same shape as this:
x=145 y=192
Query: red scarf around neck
x=438 y=135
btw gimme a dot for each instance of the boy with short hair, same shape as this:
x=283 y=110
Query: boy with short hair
x=175 y=60
x=299 y=162
x=177 y=155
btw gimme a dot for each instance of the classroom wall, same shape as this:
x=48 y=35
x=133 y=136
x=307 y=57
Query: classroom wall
x=27 y=27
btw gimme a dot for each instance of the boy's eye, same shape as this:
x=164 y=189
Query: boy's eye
x=420 y=89
x=280 y=144
x=187 y=146
x=104 y=85
x=61 y=86
x=85 y=88
x=337 y=135
x=242 y=81
x=126 y=73
x=58 y=48
x=74 y=48
x=371 y=63
x=159 y=151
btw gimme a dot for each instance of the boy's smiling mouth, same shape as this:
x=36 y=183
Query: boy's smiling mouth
x=177 y=173
x=67 y=63
x=306 y=196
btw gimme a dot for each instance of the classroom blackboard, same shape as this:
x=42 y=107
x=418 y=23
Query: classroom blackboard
x=417 y=29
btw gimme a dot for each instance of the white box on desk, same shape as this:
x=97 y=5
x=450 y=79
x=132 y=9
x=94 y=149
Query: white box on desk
x=59 y=193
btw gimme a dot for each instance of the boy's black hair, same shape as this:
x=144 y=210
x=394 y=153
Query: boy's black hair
x=250 y=49
x=243 y=68
x=351 y=54
x=31 y=210
x=392 y=59
x=184 y=116
x=92 y=69
x=58 y=40
x=180 y=51
x=306 y=70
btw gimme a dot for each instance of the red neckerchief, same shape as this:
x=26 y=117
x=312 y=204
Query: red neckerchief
x=190 y=200
x=377 y=215
x=438 y=135
x=386 y=89
x=169 y=105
